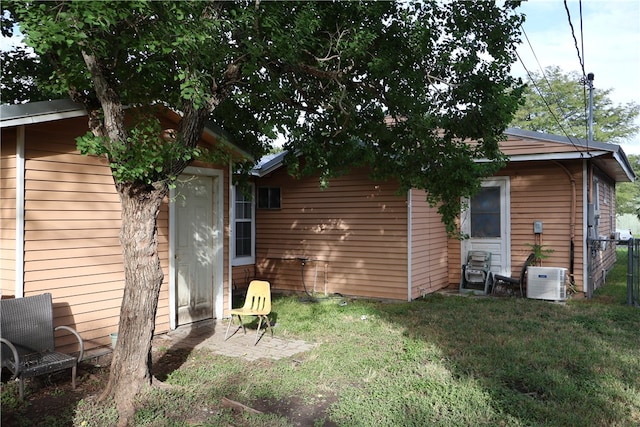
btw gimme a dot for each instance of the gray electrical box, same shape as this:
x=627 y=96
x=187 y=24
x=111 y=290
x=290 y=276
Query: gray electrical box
x=537 y=227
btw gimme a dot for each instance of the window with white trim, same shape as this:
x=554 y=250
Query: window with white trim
x=244 y=229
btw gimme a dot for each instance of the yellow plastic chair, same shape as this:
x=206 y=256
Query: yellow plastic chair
x=257 y=303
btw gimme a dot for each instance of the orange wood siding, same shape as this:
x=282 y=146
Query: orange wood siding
x=354 y=234
x=162 y=315
x=429 y=268
x=517 y=146
x=604 y=257
x=241 y=275
x=8 y=212
x=455 y=262
x=541 y=191
x=72 y=225
x=72 y=222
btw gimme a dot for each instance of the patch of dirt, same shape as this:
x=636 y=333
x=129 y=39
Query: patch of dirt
x=300 y=412
x=50 y=400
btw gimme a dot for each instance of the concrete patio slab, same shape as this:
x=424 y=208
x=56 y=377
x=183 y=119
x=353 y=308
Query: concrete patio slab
x=209 y=335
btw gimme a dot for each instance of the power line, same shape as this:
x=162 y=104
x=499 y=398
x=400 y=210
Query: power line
x=542 y=72
x=573 y=34
x=580 y=59
x=535 y=56
x=547 y=104
x=584 y=87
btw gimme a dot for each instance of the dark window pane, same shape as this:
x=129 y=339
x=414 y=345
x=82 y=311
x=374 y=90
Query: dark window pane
x=269 y=198
x=485 y=213
x=243 y=238
x=263 y=198
x=274 y=198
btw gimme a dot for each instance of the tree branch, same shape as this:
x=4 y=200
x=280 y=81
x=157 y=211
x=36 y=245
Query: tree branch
x=109 y=100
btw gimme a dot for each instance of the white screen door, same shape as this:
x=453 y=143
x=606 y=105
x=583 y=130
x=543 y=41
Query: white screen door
x=196 y=243
x=487 y=223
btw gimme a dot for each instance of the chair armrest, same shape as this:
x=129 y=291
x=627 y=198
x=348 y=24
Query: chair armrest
x=500 y=278
x=80 y=342
x=16 y=357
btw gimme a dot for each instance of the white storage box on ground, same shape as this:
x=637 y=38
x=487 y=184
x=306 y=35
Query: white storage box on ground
x=548 y=283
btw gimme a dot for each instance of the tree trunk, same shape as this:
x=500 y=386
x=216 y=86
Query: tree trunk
x=131 y=364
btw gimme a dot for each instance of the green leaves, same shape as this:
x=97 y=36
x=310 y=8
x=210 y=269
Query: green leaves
x=393 y=86
x=565 y=114
x=147 y=155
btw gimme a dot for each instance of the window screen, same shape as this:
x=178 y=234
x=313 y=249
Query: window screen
x=485 y=213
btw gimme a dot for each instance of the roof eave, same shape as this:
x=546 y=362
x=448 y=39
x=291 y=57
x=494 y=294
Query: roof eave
x=39 y=112
x=59 y=109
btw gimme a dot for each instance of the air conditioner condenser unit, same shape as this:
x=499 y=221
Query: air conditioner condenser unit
x=547 y=283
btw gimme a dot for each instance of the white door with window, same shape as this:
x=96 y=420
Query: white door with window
x=198 y=240
x=486 y=222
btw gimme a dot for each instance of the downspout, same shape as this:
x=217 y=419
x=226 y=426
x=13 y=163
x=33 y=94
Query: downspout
x=230 y=241
x=590 y=232
x=572 y=224
x=20 y=189
x=409 y=243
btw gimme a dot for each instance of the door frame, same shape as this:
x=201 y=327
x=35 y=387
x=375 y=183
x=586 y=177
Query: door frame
x=218 y=250
x=504 y=182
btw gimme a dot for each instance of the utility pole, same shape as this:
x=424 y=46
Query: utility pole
x=590 y=78
x=591 y=221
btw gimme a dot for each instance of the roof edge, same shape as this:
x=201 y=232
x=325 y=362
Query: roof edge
x=39 y=112
x=58 y=109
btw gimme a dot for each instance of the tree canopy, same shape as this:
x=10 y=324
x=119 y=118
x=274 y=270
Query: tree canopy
x=628 y=193
x=399 y=87
x=323 y=74
x=557 y=103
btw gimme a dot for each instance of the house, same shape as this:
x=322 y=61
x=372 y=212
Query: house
x=360 y=237
x=60 y=221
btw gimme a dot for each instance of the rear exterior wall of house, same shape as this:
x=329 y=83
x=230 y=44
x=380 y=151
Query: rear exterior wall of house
x=603 y=253
x=429 y=259
x=72 y=225
x=352 y=237
x=540 y=192
x=71 y=239
x=543 y=192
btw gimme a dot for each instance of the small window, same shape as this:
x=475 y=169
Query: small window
x=269 y=197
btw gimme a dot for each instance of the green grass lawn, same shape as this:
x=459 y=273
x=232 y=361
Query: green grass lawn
x=438 y=361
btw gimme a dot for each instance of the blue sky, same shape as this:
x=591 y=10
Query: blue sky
x=611 y=32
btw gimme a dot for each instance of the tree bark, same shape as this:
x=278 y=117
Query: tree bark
x=131 y=364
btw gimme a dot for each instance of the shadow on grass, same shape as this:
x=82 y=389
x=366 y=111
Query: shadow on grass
x=177 y=345
x=537 y=363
